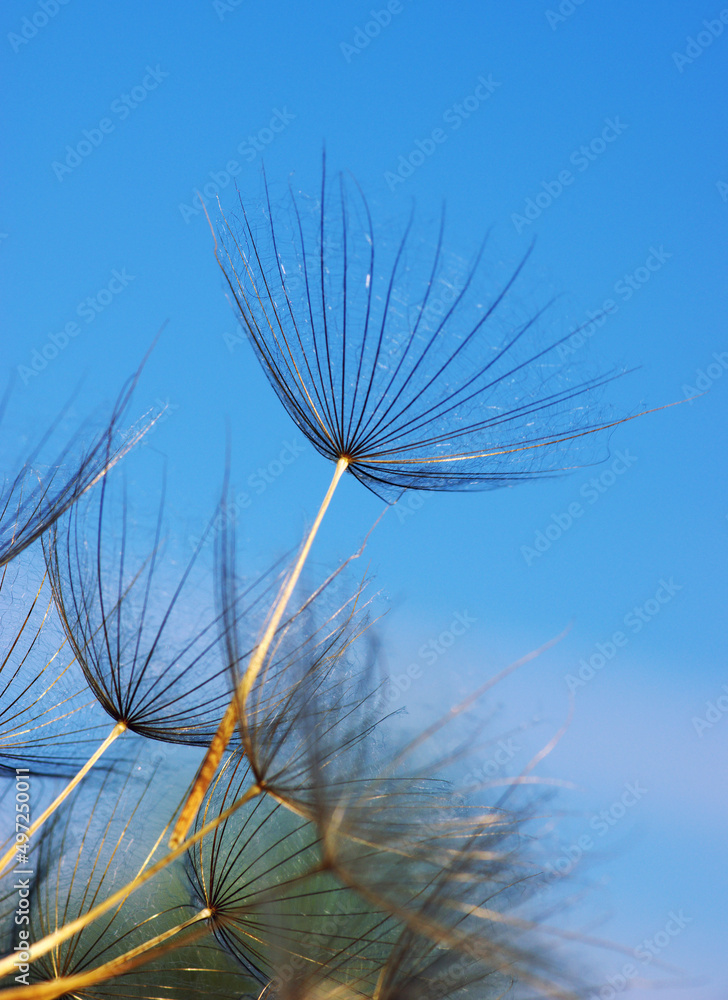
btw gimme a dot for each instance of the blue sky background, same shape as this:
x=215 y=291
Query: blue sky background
x=219 y=74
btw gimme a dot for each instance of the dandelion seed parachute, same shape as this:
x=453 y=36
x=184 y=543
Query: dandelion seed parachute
x=262 y=873
x=260 y=705
x=350 y=878
x=149 y=649
x=139 y=631
x=331 y=818
x=367 y=883
x=420 y=379
x=399 y=394
x=453 y=878
x=274 y=906
x=139 y=624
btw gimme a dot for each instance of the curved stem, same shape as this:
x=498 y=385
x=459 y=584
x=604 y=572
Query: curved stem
x=52 y=940
x=184 y=842
x=237 y=704
x=118 y=729
x=123 y=964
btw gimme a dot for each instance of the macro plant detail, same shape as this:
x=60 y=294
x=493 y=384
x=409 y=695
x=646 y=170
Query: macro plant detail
x=321 y=858
x=396 y=393
x=45 y=717
x=91 y=846
x=411 y=389
x=159 y=687
x=150 y=664
x=262 y=876
x=31 y=501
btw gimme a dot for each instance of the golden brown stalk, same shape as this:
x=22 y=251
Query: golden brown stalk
x=123 y=964
x=237 y=704
x=118 y=729
x=51 y=941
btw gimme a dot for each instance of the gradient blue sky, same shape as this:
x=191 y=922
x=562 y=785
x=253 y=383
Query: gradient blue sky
x=202 y=79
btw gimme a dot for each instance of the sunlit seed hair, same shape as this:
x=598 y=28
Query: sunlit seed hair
x=275 y=907
x=48 y=717
x=32 y=500
x=400 y=398
x=149 y=650
x=310 y=707
x=153 y=944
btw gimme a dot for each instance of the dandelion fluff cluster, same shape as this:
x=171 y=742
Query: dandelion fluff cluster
x=318 y=858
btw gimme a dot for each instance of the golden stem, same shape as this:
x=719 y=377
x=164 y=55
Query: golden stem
x=63 y=933
x=118 y=729
x=122 y=964
x=236 y=707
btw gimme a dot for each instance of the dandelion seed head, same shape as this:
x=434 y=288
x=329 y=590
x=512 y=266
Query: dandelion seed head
x=393 y=356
